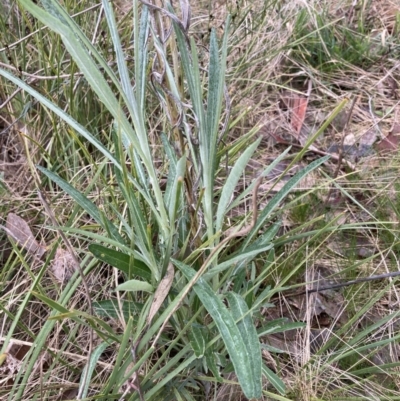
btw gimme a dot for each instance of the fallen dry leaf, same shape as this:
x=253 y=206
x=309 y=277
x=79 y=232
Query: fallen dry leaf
x=18 y=229
x=298 y=112
x=369 y=138
x=391 y=142
x=62 y=266
x=11 y=362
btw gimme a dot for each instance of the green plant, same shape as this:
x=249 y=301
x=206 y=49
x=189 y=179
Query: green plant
x=163 y=228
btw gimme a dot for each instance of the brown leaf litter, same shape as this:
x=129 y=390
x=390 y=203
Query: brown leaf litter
x=62 y=266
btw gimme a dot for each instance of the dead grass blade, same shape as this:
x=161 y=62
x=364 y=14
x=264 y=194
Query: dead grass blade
x=161 y=292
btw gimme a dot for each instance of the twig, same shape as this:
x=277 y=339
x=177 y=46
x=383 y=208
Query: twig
x=84 y=282
x=345 y=284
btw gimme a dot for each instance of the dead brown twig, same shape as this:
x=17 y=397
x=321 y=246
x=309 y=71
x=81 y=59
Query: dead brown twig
x=344 y=284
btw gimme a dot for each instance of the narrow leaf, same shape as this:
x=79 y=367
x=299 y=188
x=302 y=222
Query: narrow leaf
x=232 y=181
x=276 y=200
x=86 y=377
x=230 y=334
x=176 y=188
x=83 y=201
x=245 y=256
x=121 y=261
x=274 y=379
x=210 y=360
x=279 y=326
x=240 y=313
x=264 y=173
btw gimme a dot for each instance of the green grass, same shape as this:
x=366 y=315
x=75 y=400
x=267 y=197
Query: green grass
x=147 y=140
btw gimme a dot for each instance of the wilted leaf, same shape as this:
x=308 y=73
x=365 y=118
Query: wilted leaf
x=161 y=292
x=18 y=229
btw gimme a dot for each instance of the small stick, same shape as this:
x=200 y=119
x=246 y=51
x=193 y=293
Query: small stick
x=345 y=284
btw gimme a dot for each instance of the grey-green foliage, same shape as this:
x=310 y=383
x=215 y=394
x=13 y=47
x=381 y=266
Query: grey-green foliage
x=156 y=222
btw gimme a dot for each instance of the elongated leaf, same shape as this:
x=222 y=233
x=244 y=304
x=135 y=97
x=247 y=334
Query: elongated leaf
x=21 y=378
x=215 y=93
x=176 y=188
x=141 y=30
x=264 y=173
x=261 y=242
x=197 y=341
x=139 y=221
x=230 y=334
x=127 y=86
x=54 y=8
x=51 y=303
x=62 y=114
x=137 y=136
x=122 y=68
x=60 y=22
x=360 y=350
x=84 y=202
x=272 y=349
x=231 y=183
x=371 y=328
x=274 y=379
x=386 y=368
x=277 y=199
x=121 y=261
x=216 y=83
x=251 y=254
x=240 y=313
x=191 y=69
x=135 y=285
x=117 y=372
x=279 y=326
x=86 y=377
x=172 y=167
